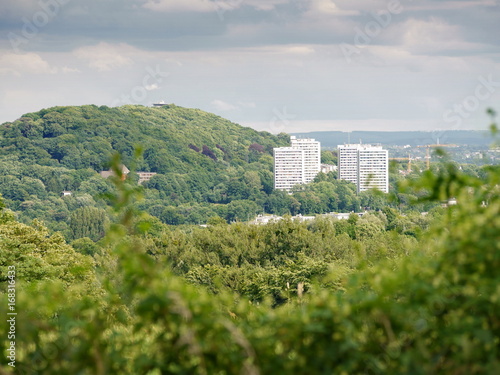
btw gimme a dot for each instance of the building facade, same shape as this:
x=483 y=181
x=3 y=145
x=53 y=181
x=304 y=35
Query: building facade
x=367 y=166
x=348 y=163
x=312 y=156
x=327 y=168
x=297 y=164
x=145 y=176
x=373 y=169
x=288 y=167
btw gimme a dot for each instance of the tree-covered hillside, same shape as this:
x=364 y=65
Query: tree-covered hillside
x=173 y=138
x=200 y=158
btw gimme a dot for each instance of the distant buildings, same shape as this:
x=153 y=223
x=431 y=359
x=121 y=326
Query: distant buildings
x=106 y=174
x=367 y=166
x=160 y=104
x=297 y=164
x=312 y=156
x=348 y=163
x=288 y=168
x=327 y=168
x=267 y=219
x=143 y=176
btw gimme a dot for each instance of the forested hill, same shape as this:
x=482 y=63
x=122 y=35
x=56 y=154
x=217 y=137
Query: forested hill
x=206 y=166
x=174 y=139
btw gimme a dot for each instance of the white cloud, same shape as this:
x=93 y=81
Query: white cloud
x=152 y=87
x=247 y=104
x=328 y=8
x=453 y=5
x=68 y=70
x=222 y=105
x=105 y=57
x=18 y=7
x=433 y=36
x=299 y=50
x=209 y=6
x=180 y=6
x=263 y=4
x=26 y=63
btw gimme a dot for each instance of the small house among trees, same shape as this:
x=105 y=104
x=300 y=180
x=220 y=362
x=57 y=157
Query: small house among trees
x=143 y=176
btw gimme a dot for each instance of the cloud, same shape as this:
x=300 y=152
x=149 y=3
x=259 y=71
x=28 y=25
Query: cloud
x=26 y=63
x=68 y=70
x=452 y=5
x=18 y=7
x=299 y=50
x=105 y=57
x=210 y=6
x=328 y=8
x=152 y=87
x=247 y=104
x=180 y=6
x=434 y=35
x=263 y=4
x=222 y=105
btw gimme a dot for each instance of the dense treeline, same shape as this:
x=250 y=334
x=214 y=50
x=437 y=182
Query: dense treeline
x=261 y=262
x=207 y=169
x=380 y=294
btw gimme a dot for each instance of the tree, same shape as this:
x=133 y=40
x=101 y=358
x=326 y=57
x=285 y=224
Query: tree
x=88 y=222
x=38 y=256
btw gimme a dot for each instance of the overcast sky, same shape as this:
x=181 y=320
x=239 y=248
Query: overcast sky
x=275 y=65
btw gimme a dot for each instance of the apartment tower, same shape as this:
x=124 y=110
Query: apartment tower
x=367 y=166
x=288 y=167
x=312 y=156
x=297 y=164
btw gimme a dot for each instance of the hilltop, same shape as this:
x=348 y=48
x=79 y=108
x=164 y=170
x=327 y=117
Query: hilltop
x=174 y=139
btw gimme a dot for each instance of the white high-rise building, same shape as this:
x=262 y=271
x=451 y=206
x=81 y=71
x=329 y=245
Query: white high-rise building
x=366 y=166
x=298 y=164
x=288 y=167
x=348 y=163
x=373 y=168
x=312 y=156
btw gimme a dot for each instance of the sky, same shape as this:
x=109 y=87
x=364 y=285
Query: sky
x=274 y=65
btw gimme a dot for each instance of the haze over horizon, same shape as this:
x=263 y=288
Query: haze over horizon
x=275 y=65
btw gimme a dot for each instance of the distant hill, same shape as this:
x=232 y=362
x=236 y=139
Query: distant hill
x=331 y=139
x=205 y=165
x=174 y=139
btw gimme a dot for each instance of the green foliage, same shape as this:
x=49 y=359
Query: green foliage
x=39 y=256
x=427 y=311
x=201 y=159
x=356 y=296
x=88 y=222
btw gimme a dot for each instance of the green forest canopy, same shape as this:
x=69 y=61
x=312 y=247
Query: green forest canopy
x=359 y=297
